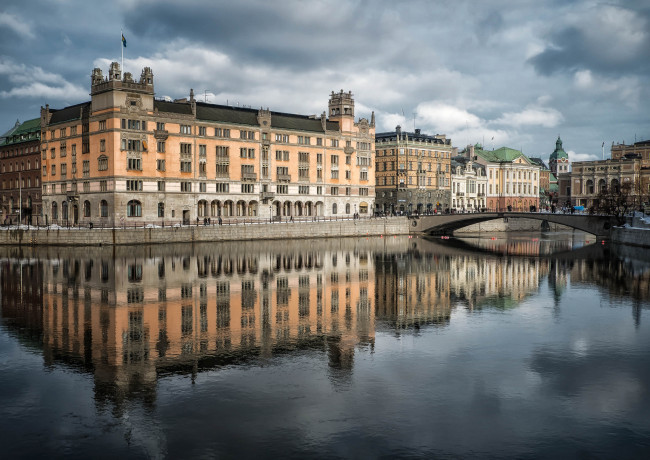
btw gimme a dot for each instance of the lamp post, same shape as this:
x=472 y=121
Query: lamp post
x=270 y=213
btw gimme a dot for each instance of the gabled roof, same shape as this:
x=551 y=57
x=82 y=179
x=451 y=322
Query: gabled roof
x=539 y=162
x=73 y=112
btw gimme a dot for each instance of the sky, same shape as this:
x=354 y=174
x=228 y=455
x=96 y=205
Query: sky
x=496 y=72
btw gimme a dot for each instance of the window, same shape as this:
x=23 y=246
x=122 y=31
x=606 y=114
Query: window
x=282 y=155
x=244 y=134
x=221 y=132
x=102 y=145
x=222 y=187
x=160 y=126
x=161 y=185
x=86 y=208
x=282 y=189
x=334 y=159
x=348 y=174
x=186 y=186
x=134 y=164
x=102 y=163
x=363 y=191
x=304 y=140
x=161 y=209
x=186 y=129
x=364 y=175
x=335 y=174
x=303 y=189
x=202 y=187
x=284 y=138
x=348 y=159
x=160 y=165
x=248 y=188
x=334 y=208
x=186 y=149
x=55 y=211
x=160 y=146
x=319 y=141
x=103 y=186
x=186 y=166
x=73 y=130
x=334 y=190
x=201 y=130
x=85 y=168
x=319 y=190
x=223 y=170
x=348 y=191
x=134 y=209
x=319 y=158
x=334 y=142
x=53 y=170
x=133 y=185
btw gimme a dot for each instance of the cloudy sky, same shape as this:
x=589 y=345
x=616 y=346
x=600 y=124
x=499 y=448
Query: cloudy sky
x=494 y=71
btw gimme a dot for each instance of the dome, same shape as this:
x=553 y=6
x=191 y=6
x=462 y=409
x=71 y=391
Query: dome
x=558 y=153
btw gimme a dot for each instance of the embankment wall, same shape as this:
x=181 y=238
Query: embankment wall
x=239 y=232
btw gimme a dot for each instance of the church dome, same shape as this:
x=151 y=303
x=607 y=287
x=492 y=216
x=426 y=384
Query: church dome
x=559 y=153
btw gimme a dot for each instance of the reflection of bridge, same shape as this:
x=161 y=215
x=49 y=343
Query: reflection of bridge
x=444 y=224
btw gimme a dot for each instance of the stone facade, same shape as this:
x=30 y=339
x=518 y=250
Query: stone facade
x=468 y=185
x=126 y=157
x=412 y=172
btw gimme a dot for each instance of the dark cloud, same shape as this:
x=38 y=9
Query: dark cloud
x=576 y=47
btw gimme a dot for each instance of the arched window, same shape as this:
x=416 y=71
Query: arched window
x=347 y=208
x=55 y=211
x=334 y=208
x=64 y=210
x=103 y=208
x=86 y=208
x=134 y=209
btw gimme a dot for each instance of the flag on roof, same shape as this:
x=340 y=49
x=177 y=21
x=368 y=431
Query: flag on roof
x=123 y=41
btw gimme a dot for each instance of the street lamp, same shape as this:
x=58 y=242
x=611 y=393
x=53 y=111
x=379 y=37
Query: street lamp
x=270 y=213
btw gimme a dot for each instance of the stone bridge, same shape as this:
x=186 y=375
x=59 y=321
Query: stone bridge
x=445 y=224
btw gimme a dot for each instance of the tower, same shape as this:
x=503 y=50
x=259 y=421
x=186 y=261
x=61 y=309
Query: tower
x=559 y=160
x=341 y=109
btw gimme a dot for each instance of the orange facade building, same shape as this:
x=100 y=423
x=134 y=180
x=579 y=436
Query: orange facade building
x=126 y=157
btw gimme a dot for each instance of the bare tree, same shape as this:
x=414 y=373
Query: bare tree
x=616 y=201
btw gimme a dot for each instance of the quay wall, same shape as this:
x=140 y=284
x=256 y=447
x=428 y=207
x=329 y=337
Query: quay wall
x=631 y=236
x=187 y=234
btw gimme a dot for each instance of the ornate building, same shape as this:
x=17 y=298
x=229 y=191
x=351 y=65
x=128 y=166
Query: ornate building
x=468 y=185
x=545 y=193
x=126 y=157
x=20 y=173
x=512 y=178
x=412 y=172
x=588 y=178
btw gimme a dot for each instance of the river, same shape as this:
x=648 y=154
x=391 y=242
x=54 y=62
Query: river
x=524 y=345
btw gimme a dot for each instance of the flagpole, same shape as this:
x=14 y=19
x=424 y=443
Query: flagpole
x=122 y=47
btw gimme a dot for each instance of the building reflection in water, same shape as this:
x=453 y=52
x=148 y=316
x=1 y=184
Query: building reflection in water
x=131 y=315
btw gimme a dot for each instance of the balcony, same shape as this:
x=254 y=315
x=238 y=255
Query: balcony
x=284 y=178
x=249 y=176
x=266 y=196
x=460 y=193
x=161 y=134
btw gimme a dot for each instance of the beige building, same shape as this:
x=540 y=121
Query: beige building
x=512 y=178
x=128 y=158
x=589 y=178
x=412 y=172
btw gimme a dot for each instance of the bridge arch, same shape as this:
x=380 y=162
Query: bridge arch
x=445 y=224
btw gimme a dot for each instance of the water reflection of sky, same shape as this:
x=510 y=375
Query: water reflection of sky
x=525 y=357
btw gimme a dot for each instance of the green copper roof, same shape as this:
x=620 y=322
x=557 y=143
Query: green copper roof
x=500 y=155
x=27 y=131
x=559 y=152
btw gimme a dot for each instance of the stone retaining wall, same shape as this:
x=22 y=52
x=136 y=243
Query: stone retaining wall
x=631 y=236
x=239 y=232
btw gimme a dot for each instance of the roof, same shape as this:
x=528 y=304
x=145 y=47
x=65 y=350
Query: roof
x=73 y=112
x=559 y=152
x=26 y=131
x=415 y=136
x=245 y=116
x=500 y=155
x=538 y=162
